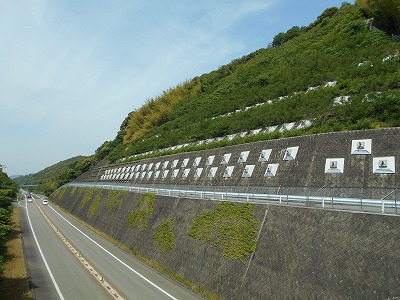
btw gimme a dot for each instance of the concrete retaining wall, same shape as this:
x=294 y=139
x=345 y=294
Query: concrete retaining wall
x=302 y=253
x=305 y=175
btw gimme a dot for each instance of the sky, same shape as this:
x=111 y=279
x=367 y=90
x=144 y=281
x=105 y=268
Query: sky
x=72 y=70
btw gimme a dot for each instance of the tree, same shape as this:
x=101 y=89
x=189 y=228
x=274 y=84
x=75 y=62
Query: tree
x=386 y=13
x=282 y=37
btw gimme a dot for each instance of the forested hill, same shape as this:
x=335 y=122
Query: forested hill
x=341 y=72
x=50 y=178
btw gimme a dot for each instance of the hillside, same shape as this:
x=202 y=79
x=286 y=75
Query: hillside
x=50 y=178
x=339 y=73
x=290 y=80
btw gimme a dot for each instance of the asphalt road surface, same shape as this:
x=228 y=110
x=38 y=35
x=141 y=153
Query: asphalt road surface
x=57 y=272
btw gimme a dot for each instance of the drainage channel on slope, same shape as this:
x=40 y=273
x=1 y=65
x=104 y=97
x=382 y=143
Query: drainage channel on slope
x=100 y=279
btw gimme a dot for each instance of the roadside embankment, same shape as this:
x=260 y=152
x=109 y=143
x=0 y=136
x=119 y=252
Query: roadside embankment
x=299 y=252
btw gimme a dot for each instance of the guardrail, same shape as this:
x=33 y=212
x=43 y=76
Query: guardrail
x=383 y=206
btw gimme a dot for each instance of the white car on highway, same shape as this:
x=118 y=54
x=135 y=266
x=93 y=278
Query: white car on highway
x=45 y=202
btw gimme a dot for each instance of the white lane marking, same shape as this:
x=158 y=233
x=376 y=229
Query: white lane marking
x=23 y=206
x=113 y=293
x=116 y=258
x=44 y=259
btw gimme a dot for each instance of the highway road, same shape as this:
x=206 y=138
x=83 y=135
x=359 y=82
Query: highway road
x=70 y=261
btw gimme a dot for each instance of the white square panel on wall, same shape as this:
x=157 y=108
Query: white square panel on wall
x=165 y=174
x=212 y=172
x=210 y=160
x=228 y=171
x=174 y=163
x=361 y=147
x=264 y=155
x=271 y=170
x=334 y=165
x=185 y=162
x=197 y=172
x=225 y=158
x=243 y=156
x=185 y=173
x=290 y=153
x=196 y=161
x=248 y=171
x=384 y=165
x=175 y=173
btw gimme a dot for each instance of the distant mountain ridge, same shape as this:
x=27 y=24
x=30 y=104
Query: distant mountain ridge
x=49 y=178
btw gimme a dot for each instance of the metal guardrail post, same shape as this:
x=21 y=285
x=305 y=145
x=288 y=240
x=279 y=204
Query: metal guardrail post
x=383 y=206
x=323 y=202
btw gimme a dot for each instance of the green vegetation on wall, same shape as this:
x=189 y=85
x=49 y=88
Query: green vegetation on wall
x=144 y=209
x=73 y=190
x=60 y=193
x=114 y=200
x=230 y=227
x=88 y=195
x=164 y=236
x=95 y=204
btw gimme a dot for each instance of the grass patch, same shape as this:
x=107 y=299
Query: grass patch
x=230 y=227
x=13 y=282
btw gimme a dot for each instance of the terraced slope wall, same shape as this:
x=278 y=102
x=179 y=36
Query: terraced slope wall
x=356 y=173
x=301 y=253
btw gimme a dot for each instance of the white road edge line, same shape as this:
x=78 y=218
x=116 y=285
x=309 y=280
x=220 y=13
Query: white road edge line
x=44 y=259
x=104 y=283
x=116 y=258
